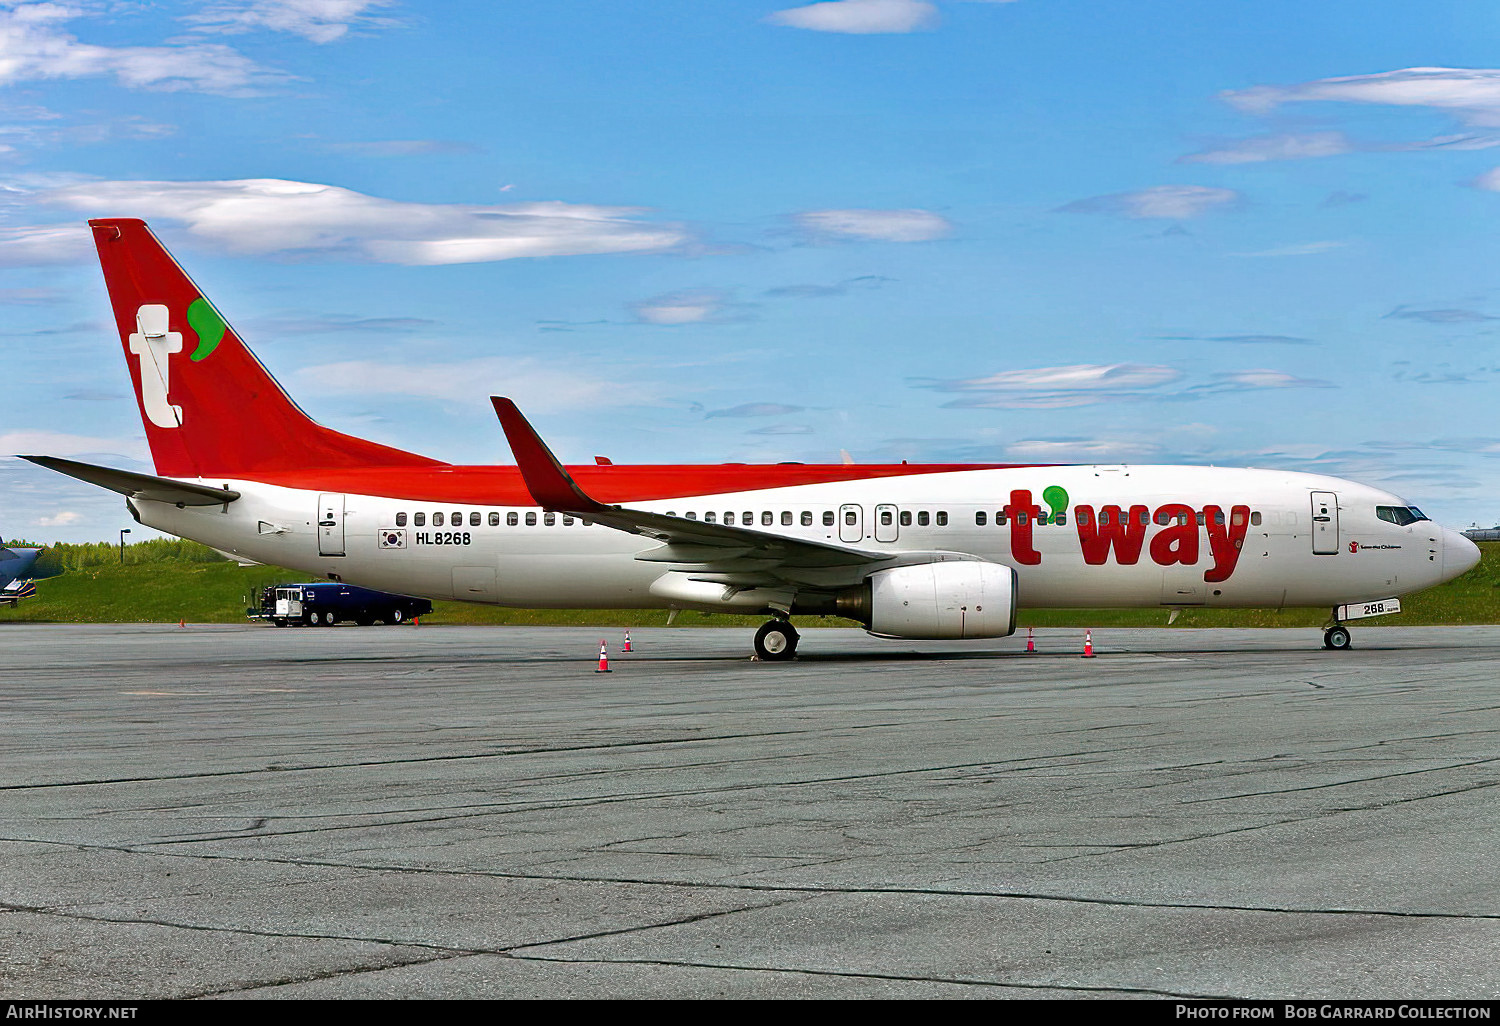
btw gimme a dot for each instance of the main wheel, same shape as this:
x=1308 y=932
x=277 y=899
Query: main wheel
x=776 y=640
x=1336 y=638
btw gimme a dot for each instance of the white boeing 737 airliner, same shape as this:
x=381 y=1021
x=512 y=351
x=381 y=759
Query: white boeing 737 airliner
x=930 y=552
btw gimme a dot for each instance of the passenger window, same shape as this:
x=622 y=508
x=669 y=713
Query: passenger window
x=886 y=519
x=437 y=520
x=494 y=519
x=1081 y=517
x=691 y=516
x=1162 y=518
x=1042 y=518
x=747 y=518
x=1020 y=516
x=473 y=519
x=1145 y=518
x=979 y=519
x=786 y=518
x=806 y=518
x=942 y=518
x=849 y=518
x=922 y=519
x=905 y=518
x=828 y=518
x=710 y=518
x=458 y=518
x=767 y=519
x=512 y=519
x=1237 y=519
x=1219 y=517
x=729 y=519
x=1255 y=519
x=567 y=520
x=1200 y=518
x=549 y=519
x=400 y=519
x=1104 y=518
x=1060 y=518
x=531 y=520
x=1000 y=518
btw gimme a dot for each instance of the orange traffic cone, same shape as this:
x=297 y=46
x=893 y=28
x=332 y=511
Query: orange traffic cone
x=627 y=642
x=1088 y=644
x=603 y=658
x=181 y=621
x=1030 y=644
x=416 y=621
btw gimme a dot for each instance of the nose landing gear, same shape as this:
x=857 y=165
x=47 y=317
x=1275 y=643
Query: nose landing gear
x=776 y=640
x=1336 y=637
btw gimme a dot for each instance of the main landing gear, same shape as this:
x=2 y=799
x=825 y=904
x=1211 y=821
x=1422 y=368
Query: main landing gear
x=1336 y=637
x=776 y=640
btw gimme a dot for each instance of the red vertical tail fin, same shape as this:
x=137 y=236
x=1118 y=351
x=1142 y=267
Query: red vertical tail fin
x=209 y=407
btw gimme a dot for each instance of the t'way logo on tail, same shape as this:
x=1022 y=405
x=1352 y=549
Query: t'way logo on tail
x=154 y=344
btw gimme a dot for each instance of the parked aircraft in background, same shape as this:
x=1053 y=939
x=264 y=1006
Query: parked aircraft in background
x=15 y=574
x=928 y=552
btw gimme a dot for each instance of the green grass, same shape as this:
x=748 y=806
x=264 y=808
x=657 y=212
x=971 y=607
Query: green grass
x=173 y=587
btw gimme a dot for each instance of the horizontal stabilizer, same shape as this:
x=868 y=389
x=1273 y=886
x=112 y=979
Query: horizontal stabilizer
x=139 y=486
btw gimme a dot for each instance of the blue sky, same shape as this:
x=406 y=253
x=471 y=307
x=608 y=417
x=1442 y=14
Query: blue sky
x=961 y=230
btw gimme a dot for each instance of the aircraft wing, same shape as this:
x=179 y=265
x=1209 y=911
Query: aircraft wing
x=741 y=554
x=139 y=486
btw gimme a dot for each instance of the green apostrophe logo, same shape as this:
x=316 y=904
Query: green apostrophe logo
x=205 y=320
x=1056 y=497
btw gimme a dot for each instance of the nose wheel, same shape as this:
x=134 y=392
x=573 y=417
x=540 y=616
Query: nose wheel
x=776 y=640
x=1336 y=638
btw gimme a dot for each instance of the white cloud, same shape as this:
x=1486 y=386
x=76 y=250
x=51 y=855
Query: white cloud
x=1048 y=388
x=44 y=244
x=688 y=307
x=55 y=443
x=1172 y=202
x=321 y=21
x=1260 y=148
x=267 y=215
x=1256 y=379
x=1069 y=450
x=860 y=17
x=876 y=225
x=1472 y=94
x=62 y=519
x=536 y=386
x=1489 y=180
x=1300 y=249
x=1076 y=377
x=33 y=46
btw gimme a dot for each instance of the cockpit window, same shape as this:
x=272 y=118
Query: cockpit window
x=1400 y=515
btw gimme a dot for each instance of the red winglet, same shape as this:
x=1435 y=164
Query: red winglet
x=549 y=484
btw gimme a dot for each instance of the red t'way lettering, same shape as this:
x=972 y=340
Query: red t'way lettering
x=1022 y=514
x=1225 y=540
x=1125 y=532
x=1178 y=541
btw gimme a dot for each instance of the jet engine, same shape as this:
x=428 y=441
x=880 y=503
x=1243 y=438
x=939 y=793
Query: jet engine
x=936 y=601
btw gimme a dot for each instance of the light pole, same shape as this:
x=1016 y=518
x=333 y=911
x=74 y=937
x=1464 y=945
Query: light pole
x=123 y=532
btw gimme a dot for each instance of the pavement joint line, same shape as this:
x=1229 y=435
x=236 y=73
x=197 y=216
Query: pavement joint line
x=537 y=805
x=800 y=888
x=892 y=977
x=63 y=912
x=332 y=975
x=1345 y=783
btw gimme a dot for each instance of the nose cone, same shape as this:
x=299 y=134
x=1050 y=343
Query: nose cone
x=1459 y=554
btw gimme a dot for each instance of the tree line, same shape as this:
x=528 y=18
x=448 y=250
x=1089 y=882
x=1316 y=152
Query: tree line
x=63 y=556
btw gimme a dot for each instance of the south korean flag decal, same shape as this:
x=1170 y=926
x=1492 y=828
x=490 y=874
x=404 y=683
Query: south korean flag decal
x=392 y=538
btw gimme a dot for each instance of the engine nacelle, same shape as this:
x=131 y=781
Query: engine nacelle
x=951 y=599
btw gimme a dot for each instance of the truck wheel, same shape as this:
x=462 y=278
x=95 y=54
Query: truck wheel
x=396 y=617
x=279 y=621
